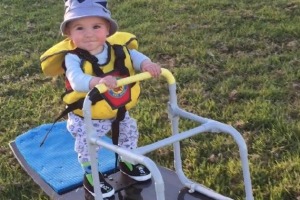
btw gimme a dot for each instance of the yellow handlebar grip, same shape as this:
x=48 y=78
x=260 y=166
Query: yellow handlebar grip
x=138 y=77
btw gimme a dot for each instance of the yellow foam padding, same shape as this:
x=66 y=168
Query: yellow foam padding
x=52 y=59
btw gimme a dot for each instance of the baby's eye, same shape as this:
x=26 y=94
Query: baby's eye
x=79 y=28
x=97 y=27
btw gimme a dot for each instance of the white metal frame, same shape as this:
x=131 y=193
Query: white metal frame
x=137 y=155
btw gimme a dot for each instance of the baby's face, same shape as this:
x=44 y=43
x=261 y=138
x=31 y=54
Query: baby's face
x=88 y=33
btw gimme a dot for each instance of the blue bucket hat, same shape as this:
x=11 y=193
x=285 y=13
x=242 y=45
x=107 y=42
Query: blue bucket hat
x=76 y=9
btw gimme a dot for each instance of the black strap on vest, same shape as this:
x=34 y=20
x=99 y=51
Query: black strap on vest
x=70 y=108
x=120 y=60
x=94 y=95
x=115 y=129
x=85 y=55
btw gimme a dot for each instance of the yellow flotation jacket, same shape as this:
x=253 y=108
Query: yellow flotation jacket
x=111 y=104
x=51 y=60
x=105 y=106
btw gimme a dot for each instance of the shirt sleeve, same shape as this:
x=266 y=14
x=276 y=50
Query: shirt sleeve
x=137 y=58
x=79 y=81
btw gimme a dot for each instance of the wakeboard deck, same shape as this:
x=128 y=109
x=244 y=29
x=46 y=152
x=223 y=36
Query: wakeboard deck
x=125 y=187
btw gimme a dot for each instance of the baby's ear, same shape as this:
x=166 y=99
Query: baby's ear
x=67 y=31
x=108 y=28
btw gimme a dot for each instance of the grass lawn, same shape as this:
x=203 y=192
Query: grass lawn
x=236 y=62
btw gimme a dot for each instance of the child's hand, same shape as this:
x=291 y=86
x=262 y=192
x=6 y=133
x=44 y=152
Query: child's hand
x=109 y=81
x=153 y=68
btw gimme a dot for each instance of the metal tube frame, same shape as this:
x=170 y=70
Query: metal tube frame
x=137 y=155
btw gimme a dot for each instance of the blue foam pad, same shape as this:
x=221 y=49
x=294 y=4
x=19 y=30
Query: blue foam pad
x=56 y=161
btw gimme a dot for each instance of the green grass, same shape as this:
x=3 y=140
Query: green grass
x=234 y=61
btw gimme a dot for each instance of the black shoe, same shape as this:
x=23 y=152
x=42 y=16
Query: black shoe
x=106 y=189
x=137 y=172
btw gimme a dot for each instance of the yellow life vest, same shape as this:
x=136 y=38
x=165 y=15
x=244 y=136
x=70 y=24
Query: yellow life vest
x=52 y=59
x=106 y=105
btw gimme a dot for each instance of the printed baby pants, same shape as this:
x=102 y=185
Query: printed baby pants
x=128 y=137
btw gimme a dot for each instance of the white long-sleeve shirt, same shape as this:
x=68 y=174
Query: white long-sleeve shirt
x=79 y=81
